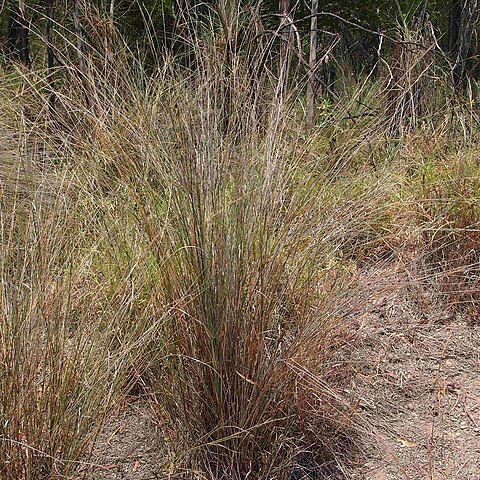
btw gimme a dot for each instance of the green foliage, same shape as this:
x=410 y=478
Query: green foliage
x=449 y=204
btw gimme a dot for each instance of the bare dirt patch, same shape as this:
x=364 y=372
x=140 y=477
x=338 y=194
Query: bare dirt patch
x=130 y=447
x=419 y=392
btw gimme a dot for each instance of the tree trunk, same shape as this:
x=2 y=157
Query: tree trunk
x=13 y=33
x=462 y=19
x=16 y=45
x=79 y=37
x=454 y=25
x=50 y=54
x=112 y=14
x=24 y=53
x=311 y=88
x=82 y=64
x=286 y=35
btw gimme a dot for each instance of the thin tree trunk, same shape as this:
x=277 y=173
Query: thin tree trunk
x=467 y=22
x=79 y=37
x=112 y=12
x=311 y=87
x=50 y=54
x=13 y=33
x=285 y=47
x=416 y=91
x=82 y=64
x=463 y=39
x=454 y=25
x=24 y=53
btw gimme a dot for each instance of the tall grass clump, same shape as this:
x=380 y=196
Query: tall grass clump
x=448 y=213
x=238 y=255
x=240 y=234
x=51 y=375
x=211 y=169
x=71 y=335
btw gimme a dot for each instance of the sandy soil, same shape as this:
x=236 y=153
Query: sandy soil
x=130 y=447
x=418 y=381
